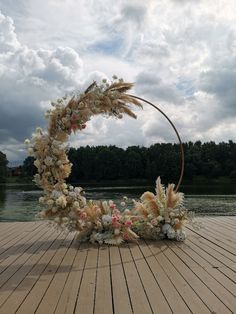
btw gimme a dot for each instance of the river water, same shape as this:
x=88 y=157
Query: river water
x=20 y=202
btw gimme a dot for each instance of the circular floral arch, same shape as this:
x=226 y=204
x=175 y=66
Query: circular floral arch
x=155 y=216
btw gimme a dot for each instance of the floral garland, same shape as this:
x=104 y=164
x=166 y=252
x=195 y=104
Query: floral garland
x=153 y=217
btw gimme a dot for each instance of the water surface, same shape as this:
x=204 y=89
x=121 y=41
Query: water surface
x=20 y=202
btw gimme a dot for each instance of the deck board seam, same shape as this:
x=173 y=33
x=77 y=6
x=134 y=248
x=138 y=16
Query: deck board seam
x=182 y=275
x=126 y=281
x=207 y=285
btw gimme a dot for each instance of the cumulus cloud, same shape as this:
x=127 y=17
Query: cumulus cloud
x=28 y=79
x=181 y=54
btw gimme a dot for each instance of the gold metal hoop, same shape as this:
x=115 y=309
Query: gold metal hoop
x=176 y=132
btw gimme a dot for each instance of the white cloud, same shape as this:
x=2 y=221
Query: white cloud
x=182 y=55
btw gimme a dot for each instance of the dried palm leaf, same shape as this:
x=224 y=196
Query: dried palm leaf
x=172 y=199
x=160 y=191
x=129 y=112
x=121 y=87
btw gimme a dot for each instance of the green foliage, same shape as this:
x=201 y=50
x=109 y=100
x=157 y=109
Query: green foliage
x=101 y=163
x=29 y=168
x=3 y=167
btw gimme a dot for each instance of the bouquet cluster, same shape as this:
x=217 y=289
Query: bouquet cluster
x=155 y=216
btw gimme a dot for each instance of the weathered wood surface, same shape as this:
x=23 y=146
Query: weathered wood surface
x=45 y=271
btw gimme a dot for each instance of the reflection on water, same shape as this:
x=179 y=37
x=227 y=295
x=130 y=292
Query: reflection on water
x=20 y=202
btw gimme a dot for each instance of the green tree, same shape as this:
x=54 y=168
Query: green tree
x=29 y=169
x=3 y=167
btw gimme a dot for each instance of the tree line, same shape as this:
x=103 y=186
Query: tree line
x=101 y=163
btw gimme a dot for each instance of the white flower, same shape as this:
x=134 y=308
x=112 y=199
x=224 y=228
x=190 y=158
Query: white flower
x=61 y=201
x=30 y=151
x=57 y=220
x=41 y=200
x=176 y=221
x=78 y=190
x=65 y=219
x=37 y=163
x=48 y=161
x=64 y=185
x=116 y=231
x=56 y=194
x=50 y=202
x=39 y=130
x=76 y=205
x=126 y=211
x=159 y=218
x=181 y=236
x=150 y=216
x=72 y=194
x=122 y=204
x=171 y=234
x=106 y=219
x=27 y=141
x=165 y=228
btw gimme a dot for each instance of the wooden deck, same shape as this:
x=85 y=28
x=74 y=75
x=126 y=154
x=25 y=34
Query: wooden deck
x=44 y=271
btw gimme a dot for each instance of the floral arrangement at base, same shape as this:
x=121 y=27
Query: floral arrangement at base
x=155 y=216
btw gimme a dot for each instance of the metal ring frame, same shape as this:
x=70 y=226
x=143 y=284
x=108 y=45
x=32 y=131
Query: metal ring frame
x=180 y=142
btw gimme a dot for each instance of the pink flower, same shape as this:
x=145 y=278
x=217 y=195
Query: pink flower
x=74 y=118
x=114 y=219
x=112 y=205
x=73 y=127
x=154 y=222
x=126 y=237
x=128 y=223
x=83 y=215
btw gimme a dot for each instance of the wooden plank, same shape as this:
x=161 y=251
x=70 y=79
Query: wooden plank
x=52 y=295
x=209 y=264
x=85 y=302
x=120 y=291
x=103 y=297
x=230 y=220
x=139 y=300
x=222 y=223
x=209 y=298
x=23 y=289
x=157 y=300
x=6 y=229
x=225 y=251
x=218 y=292
x=17 y=242
x=11 y=264
x=181 y=283
x=172 y=295
x=224 y=235
x=217 y=252
x=16 y=235
x=10 y=287
x=70 y=291
x=38 y=291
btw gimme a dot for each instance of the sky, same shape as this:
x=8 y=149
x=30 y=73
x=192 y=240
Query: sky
x=181 y=55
